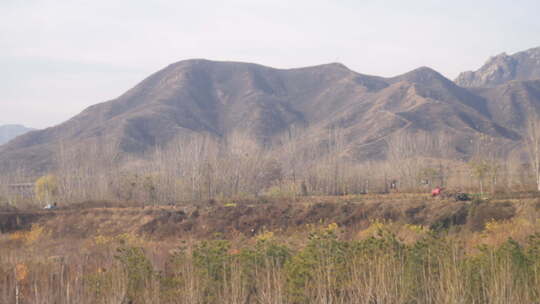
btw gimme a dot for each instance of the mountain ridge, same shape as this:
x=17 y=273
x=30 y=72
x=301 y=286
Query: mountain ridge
x=220 y=98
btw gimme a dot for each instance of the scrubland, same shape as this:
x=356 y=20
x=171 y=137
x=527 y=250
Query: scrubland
x=372 y=248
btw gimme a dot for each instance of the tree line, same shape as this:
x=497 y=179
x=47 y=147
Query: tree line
x=203 y=167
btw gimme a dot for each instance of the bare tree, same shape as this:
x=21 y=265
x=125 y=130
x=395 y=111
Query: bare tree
x=533 y=147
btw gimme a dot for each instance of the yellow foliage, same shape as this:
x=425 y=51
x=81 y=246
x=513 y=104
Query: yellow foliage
x=409 y=233
x=265 y=236
x=513 y=226
x=332 y=227
x=493 y=226
x=130 y=239
x=21 y=272
x=103 y=240
x=17 y=236
x=230 y=205
x=497 y=232
x=417 y=228
x=28 y=237
x=374 y=229
x=46 y=187
x=277 y=191
x=35 y=233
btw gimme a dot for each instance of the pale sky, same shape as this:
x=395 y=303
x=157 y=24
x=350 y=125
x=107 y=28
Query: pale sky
x=59 y=56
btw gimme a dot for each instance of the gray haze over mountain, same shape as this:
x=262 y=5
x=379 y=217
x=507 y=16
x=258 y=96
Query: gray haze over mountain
x=8 y=132
x=58 y=57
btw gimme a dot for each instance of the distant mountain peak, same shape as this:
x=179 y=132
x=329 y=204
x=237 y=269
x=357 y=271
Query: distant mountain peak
x=337 y=65
x=425 y=71
x=503 y=68
x=502 y=55
x=8 y=132
x=422 y=75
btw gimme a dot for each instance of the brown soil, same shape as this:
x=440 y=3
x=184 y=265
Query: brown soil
x=248 y=218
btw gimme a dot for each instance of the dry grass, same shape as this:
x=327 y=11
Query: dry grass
x=101 y=255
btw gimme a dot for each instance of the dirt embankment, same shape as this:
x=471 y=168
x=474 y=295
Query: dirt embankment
x=249 y=219
x=14 y=220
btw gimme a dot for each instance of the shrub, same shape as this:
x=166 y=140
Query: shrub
x=139 y=271
x=46 y=188
x=317 y=271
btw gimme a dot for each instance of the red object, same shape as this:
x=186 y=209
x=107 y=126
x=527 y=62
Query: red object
x=436 y=191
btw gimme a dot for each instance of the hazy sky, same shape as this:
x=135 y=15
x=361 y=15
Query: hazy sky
x=59 y=56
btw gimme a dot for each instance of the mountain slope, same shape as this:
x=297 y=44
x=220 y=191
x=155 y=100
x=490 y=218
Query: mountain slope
x=8 y=132
x=503 y=68
x=512 y=104
x=222 y=98
x=424 y=101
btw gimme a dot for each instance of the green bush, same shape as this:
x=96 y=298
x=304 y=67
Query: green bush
x=139 y=271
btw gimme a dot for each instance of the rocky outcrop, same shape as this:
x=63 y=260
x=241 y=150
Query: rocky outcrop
x=503 y=68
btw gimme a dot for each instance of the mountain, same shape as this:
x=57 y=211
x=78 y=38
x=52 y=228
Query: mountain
x=512 y=104
x=503 y=68
x=224 y=98
x=8 y=132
